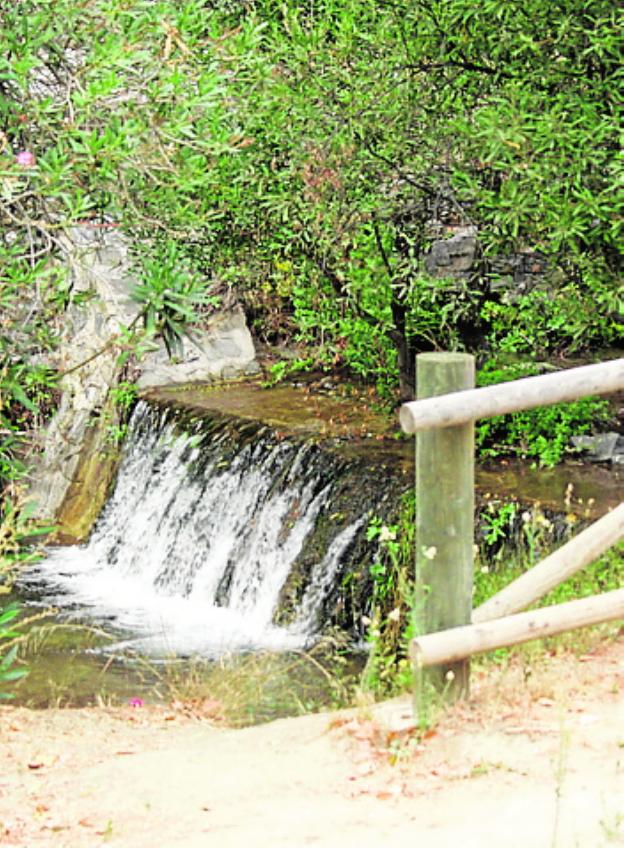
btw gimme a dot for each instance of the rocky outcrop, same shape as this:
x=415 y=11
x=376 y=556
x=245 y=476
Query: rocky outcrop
x=452 y=256
x=605 y=447
x=458 y=256
x=100 y=279
x=71 y=475
x=222 y=351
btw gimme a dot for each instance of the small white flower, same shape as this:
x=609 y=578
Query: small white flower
x=526 y=517
x=485 y=569
x=430 y=553
x=395 y=615
x=450 y=676
x=365 y=620
x=386 y=534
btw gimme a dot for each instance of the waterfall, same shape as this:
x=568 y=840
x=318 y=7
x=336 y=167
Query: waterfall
x=195 y=546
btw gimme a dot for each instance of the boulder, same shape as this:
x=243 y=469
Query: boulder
x=605 y=447
x=221 y=351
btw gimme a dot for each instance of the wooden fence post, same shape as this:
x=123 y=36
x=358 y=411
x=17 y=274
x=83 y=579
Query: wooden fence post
x=444 y=520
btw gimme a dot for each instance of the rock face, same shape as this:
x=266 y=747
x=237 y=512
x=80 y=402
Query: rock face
x=70 y=479
x=66 y=488
x=225 y=350
x=455 y=255
x=458 y=256
x=605 y=447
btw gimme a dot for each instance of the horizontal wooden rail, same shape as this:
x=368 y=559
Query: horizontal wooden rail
x=554 y=569
x=527 y=393
x=450 y=646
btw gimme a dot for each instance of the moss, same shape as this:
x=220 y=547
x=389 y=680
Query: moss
x=89 y=489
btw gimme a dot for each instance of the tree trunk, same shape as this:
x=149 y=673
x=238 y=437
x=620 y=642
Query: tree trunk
x=405 y=353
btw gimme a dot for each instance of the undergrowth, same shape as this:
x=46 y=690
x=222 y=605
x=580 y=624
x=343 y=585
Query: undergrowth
x=14 y=529
x=500 y=558
x=261 y=686
x=543 y=434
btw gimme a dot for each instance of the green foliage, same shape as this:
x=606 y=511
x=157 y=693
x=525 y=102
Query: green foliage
x=547 y=321
x=14 y=529
x=375 y=125
x=513 y=541
x=604 y=575
x=302 y=158
x=507 y=533
x=169 y=294
x=543 y=433
x=8 y=674
x=281 y=370
x=390 y=627
x=110 y=115
x=124 y=394
x=498 y=523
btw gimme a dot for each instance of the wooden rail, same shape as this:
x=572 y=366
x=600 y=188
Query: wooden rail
x=443 y=419
x=514 y=396
x=451 y=646
x=584 y=548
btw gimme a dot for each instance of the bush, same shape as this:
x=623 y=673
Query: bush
x=544 y=433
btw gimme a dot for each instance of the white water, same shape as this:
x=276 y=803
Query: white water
x=193 y=548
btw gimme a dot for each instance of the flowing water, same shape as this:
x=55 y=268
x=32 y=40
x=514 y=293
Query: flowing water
x=194 y=548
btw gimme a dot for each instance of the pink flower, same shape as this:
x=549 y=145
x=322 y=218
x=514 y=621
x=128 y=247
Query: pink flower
x=25 y=158
x=136 y=702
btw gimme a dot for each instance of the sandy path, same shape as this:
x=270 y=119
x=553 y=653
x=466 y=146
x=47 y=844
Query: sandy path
x=537 y=764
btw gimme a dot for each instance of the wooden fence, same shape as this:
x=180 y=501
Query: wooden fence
x=443 y=419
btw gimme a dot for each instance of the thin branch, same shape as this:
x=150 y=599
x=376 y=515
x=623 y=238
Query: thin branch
x=109 y=344
x=464 y=64
x=382 y=249
x=408 y=179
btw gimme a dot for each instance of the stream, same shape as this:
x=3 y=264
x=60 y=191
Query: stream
x=225 y=536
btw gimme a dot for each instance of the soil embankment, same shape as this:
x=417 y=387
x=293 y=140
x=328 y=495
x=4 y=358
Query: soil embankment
x=536 y=757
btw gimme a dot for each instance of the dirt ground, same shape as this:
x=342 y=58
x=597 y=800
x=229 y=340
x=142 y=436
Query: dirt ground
x=534 y=759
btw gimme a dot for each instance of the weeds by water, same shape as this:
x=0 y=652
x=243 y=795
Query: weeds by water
x=70 y=666
x=258 y=687
x=511 y=540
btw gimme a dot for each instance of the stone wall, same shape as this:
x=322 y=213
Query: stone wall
x=458 y=256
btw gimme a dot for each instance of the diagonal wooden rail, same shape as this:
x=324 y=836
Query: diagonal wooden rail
x=443 y=419
x=580 y=551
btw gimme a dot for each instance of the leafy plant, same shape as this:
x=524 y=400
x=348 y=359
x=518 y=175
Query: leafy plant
x=389 y=627
x=14 y=529
x=170 y=294
x=498 y=521
x=8 y=674
x=543 y=433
